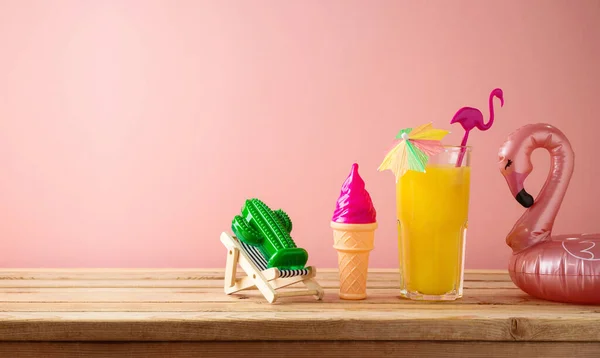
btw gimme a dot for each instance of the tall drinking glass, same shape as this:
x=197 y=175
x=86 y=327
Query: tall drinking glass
x=432 y=213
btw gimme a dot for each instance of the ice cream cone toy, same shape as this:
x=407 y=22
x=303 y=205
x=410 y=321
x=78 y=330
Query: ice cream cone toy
x=353 y=223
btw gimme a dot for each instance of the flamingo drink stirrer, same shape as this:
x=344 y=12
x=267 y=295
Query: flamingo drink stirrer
x=563 y=268
x=470 y=117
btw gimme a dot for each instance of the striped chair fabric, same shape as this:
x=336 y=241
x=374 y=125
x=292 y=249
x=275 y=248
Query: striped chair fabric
x=259 y=260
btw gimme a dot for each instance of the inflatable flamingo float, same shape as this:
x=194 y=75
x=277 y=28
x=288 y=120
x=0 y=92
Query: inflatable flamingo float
x=563 y=268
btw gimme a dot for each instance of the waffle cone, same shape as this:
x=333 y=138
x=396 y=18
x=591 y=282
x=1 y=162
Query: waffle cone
x=353 y=243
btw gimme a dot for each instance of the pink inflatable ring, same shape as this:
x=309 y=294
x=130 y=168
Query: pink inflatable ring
x=563 y=268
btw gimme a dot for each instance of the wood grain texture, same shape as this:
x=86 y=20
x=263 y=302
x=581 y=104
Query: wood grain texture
x=389 y=275
x=159 y=305
x=303 y=349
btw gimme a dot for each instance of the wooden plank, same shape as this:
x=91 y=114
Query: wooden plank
x=202 y=274
x=302 y=349
x=214 y=283
x=307 y=305
x=200 y=295
x=440 y=325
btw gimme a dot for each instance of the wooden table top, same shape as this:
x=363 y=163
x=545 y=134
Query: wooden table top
x=189 y=305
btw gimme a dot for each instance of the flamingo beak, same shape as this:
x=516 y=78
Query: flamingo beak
x=524 y=198
x=515 y=183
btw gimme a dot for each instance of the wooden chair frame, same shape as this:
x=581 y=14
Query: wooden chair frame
x=268 y=281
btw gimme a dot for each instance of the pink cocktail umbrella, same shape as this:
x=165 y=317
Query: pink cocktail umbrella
x=470 y=117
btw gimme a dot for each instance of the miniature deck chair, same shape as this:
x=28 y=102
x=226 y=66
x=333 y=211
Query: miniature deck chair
x=266 y=280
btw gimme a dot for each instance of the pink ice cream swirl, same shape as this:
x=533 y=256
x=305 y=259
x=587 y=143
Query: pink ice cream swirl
x=354 y=206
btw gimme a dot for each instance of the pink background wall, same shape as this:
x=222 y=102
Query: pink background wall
x=132 y=131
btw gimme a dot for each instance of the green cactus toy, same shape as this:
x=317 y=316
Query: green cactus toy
x=269 y=230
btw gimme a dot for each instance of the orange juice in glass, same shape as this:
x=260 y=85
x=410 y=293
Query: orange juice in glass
x=432 y=213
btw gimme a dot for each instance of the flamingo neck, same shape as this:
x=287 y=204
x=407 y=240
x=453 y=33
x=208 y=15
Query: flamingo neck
x=535 y=225
x=489 y=123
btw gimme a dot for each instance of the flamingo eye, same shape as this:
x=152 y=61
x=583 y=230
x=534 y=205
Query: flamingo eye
x=508 y=164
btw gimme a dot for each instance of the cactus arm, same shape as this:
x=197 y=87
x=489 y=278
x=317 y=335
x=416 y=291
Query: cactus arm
x=245 y=232
x=284 y=219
